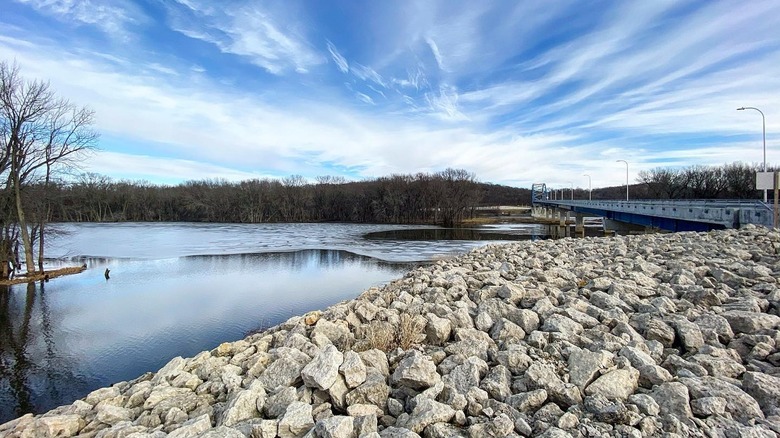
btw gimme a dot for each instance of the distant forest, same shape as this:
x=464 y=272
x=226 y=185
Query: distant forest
x=445 y=198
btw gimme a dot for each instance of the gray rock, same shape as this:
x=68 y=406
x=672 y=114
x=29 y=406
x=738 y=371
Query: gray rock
x=739 y=404
x=515 y=360
x=353 y=369
x=607 y=411
x=527 y=319
x=160 y=393
x=221 y=432
x=397 y=432
x=645 y=403
x=376 y=359
x=585 y=366
x=568 y=421
x=765 y=389
x=719 y=363
x=192 y=427
x=55 y=426
x=506 y=331
x=676 y=365
x=750 y=322
x=336 y=333
x=335 y=427
x=416 y=371
x=243 y=405
x=483 y=321
x=265 y=429
x=605 y=301
x=501 y=426
x=673 y=399
x=101 y=394
x=276 y=404
x=650 y=374
x=616 y=384
x=561 y=324
x=658 y=330
x=296 y=421
x=428 y=412
x=467 y=375
x=688 y=333
x=437 y=330
x=555 y=432
x=706 y=406
x=112 y=415
x=323 y=370
x=373 y=391
x=498 y=382
x=338 y=392
x=285 y=370
x=364 y=424
x=528 y=401
x=445 y=430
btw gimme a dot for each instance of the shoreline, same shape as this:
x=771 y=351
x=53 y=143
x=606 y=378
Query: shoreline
x=622 y=336
x=43 y=276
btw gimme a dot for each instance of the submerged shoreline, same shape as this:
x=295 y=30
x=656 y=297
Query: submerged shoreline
x=622 y=336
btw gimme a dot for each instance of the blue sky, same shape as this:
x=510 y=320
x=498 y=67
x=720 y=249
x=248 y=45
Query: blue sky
x=514 y=91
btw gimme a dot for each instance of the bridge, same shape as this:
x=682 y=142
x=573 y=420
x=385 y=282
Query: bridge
x=664 y=214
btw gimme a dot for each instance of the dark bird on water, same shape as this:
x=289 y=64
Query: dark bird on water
x=106 y=273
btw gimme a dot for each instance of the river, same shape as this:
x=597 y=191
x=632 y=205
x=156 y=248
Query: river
x=176 y=289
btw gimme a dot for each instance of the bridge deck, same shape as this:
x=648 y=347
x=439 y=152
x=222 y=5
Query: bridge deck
x=673 y=215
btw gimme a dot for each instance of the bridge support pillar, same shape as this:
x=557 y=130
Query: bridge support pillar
x=563 y=223
x=579 y=225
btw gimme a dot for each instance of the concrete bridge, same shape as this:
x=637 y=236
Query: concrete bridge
x=664 y=214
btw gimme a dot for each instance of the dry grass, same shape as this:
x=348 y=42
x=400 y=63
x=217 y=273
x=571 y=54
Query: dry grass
x=380 y=335
x=386 y=336
x=411 y=331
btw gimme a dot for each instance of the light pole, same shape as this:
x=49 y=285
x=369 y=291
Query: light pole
x=571 y=184
x=590 y=192
x=624 y=161
x=763 y=129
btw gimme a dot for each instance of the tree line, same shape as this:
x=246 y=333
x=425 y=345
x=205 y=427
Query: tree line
x=728 y=181
x=444 y=198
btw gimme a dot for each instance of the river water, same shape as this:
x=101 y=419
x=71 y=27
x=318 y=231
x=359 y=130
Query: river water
x=176 y=289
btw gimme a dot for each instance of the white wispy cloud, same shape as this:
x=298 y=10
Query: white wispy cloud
x=340 y=61
x=365 y=98
x=367 y=74
x=435 y=51
x=245 y=29
x=111 y=17
x=167 y=170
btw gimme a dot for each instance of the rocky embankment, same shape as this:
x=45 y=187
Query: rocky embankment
x=655 y=335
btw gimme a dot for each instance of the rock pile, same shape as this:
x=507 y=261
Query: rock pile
x=673 y=335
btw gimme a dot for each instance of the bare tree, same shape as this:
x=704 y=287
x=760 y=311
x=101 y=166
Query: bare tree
x=39 y=133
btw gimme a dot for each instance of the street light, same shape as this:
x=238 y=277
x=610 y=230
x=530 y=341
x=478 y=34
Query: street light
x=590 y=192
x=572 y=190
x=624 y=161
x=763 y=129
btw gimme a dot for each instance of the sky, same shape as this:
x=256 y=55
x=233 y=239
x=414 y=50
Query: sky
x=516 y=92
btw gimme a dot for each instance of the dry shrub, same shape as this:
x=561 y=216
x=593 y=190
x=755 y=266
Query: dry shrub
x=411 y=330
x=380 y=335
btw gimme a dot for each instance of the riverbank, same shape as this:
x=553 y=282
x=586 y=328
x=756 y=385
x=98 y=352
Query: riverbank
x=623 y=336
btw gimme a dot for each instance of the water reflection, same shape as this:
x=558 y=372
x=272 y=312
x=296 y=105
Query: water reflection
x=62 y=339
